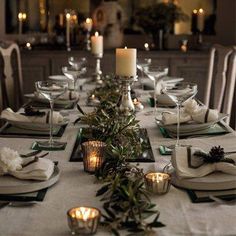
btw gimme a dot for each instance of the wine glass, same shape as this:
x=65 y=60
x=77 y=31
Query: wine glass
x=156 y=73
x=179 y=93
x=51 y=90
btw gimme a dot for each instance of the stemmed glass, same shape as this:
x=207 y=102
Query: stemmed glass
x=74 y=73
x=77 y=62
x=142 y=65
x=156 y=73
x=180 y=93
x=51 y=90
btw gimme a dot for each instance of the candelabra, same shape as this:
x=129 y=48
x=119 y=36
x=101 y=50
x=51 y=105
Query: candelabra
x=126 y=105
x=98 y=72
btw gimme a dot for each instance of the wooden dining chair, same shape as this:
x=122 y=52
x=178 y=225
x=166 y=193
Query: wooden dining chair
x=10 y=76
x=220 y=85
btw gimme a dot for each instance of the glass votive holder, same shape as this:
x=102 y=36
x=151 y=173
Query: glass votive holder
x=158 y=183
x=83 y=220
x=93 y=152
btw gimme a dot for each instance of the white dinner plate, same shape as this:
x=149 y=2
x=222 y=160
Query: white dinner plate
x=191 y=126
x=214 y=181
x=44 y=100
x=36 y=126
x=58 y=77
x=12 y=185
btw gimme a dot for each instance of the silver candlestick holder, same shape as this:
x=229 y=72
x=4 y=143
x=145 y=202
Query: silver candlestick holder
x=126 y=105
x=88 y=41
x=98 y=72
x=200 y=38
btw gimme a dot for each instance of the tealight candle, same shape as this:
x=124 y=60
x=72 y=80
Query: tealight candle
x=93 y=152
x=28 y=46
x=126 y=62
x=138 y=105
x=83 y=220
x=97 y=44
x=146 y=47
x=93 y=100
x=158 y=183
x=184 y=45
x=88 y=24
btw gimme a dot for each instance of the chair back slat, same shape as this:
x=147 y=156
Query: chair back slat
x=220 y=84
x=12 y=84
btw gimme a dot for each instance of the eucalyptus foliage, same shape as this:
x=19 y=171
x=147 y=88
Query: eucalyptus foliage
x=126 y=202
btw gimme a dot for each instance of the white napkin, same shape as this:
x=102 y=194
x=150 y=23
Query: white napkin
x=9 y=114
x=189 y=166
x=169 y=118
x=68 y=95
x=191 y=111
x=11 y=163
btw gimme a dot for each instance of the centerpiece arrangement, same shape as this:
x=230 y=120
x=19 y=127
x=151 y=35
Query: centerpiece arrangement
x=126 y=200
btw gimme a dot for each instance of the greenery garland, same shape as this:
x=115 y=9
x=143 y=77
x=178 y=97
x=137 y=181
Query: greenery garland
x=126 y=201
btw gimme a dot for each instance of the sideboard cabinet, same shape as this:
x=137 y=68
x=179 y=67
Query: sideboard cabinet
x=39 y=64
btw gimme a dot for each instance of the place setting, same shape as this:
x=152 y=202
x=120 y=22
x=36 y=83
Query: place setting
x=25 y=178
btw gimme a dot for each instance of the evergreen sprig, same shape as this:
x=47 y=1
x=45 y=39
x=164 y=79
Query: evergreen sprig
x=126 y=202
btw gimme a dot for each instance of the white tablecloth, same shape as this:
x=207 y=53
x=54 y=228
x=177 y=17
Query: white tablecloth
x=76 y=187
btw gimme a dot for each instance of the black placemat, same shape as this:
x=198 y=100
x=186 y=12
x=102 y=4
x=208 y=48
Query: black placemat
x=42 y=105
x=197 y=196
x=9 y=130
x=216 y=129
x=23 y=197
x=77 y=156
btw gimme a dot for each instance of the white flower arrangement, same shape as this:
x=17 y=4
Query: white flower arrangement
x=9 y=160
x=191 y=106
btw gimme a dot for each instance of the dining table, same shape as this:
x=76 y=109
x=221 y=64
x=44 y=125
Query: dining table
x=77 y=188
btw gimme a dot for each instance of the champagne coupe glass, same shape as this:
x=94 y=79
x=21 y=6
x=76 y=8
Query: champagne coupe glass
x=156 y=73
x=74 y=73
x=51 y=90
x=77 y=62
x=180 y=93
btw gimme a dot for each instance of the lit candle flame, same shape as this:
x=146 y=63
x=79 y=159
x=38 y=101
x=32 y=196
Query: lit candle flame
x=67 y=16
x=22 y=16
x=125 y=47
x=88 y=20
x=201 y=11
x=96 y=34
x=195 y=11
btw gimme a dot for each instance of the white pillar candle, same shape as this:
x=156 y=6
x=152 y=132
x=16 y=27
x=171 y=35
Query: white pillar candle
x=68 y=30
x=200 y=19
x=97 y=44
x=21 y=17
x=88 y=24
x=126 y=61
